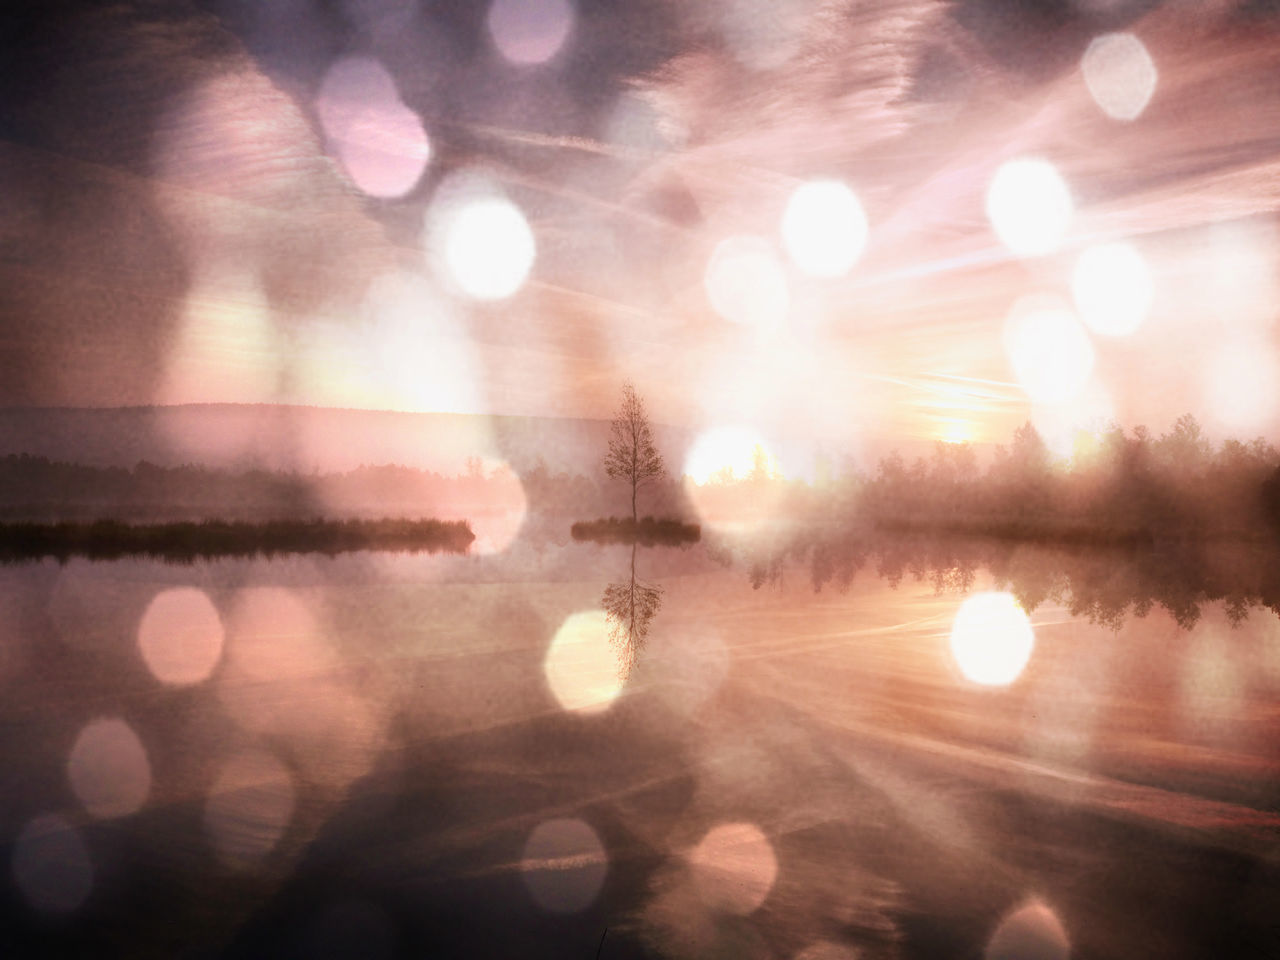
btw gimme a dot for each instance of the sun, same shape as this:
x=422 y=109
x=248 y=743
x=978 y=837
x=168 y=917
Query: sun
x=956 y=431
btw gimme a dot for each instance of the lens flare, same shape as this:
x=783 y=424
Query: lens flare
x=564 y=865
x=745 y=284
x=1120 y=75
x=379 y=141
x=582 y=667
x=51 y=865
x=734 y=867
x=249 y=807
x=1113 y=288
x=483 y=240
x=991 y=639
x=1032 y=932
x=108 y=769
x=824 y=228
x=1029 y=206
x=529 y=31
x=723 y=453
x=180 y=636
x=1049 y=350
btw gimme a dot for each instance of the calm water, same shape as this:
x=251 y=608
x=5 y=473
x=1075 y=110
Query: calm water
x=387 y=755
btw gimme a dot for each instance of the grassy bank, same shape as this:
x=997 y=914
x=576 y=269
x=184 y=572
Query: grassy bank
x=185 y=542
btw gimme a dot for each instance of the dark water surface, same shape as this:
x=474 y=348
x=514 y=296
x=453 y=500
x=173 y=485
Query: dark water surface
x=408 y=756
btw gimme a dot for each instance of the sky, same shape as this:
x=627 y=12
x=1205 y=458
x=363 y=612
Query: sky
x=832 y=225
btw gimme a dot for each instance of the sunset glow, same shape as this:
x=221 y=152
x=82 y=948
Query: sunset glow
x=723 y=452
x=688 y=479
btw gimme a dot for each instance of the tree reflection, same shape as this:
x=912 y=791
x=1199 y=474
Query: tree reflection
x=630 y=606
x=1105 y=586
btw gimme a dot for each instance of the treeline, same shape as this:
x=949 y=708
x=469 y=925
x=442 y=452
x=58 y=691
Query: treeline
x=1117 y=487
x=35 y=488
x=187 y=542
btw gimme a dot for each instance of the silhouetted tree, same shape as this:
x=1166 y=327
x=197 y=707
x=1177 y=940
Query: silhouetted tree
x=632 y=455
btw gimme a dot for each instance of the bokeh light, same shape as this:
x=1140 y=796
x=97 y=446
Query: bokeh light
x=824 y=228
x=746 y=284
x=729 y=475
x=1032 y=932
x=991 y=638
x=1113 y=288
x=564 y=865
x=248 y=808
x=276 y=636
x=108 y=769
x=379 y=141
x=1029 y=206
x=180 y=636
x=480 y=238
x=51 y=865
x=1120 y=75
x=284 y=679
x=582 y=666
x=734 y=867
x=497 y=512
x=1049 y=350
x=1241 y=384
x=529 y=31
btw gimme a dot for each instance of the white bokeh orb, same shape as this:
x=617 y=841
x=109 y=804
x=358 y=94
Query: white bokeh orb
x=1049 y=350
x=489 y=247
x=1113 y=288
x=1120 y=75
x=1029 y=206
x=824 y=228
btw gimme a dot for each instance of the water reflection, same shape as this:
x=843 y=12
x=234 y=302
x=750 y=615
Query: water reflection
x=392 y=752
x=1103 y=585
x=630 y=607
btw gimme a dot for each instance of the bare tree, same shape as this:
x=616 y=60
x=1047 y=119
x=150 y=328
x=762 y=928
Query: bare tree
x=629 y=608
x=632 y=455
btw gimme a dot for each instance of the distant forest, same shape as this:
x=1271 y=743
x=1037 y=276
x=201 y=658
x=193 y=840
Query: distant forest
x=1118 y=487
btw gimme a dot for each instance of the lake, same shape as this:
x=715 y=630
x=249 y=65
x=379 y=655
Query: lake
x=394 y=755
